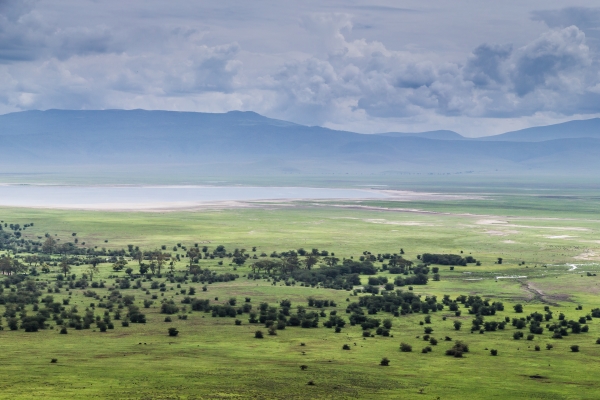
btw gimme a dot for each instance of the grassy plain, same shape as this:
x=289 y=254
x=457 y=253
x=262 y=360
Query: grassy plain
x=538 y=237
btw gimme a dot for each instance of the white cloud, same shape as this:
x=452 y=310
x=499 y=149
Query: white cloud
x=335 y=78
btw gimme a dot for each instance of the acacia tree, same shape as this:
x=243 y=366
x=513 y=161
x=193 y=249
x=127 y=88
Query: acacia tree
x=193 y=254
x=266 y=265
x=92 y=270
x=9 y=266
x=311 y=260
x=331 y=261
x=291 y=263
x=65 y=268
x=161 y=259
x=32 y=260
x=49 y=245
x=239 y=257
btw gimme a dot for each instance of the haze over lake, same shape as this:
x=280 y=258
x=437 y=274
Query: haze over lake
x=131 y=197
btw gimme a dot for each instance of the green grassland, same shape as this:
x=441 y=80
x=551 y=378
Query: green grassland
x=538 y=238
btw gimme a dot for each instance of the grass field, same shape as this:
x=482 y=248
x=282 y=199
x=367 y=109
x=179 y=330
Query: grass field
x=540 y=239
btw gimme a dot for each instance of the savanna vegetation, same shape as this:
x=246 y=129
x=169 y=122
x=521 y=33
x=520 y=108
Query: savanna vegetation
x=296 y=303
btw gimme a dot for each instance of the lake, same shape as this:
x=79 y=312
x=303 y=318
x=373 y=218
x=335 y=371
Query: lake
x=143 y=197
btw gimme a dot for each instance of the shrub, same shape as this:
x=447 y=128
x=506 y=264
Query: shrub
x=238 y=322
x=433 y=341
x=457 y=325
x=458 y=349
x=384 y=362
x=537 y=348
x=167 y=319
x=125 y=323
x=518 y=308
x=54 y=361
x=345 y=347
x=549 y=346
x=494 y=352
x=303 y=367
x=173 y=332
x=405 y=347
x=428 y=329
x=169 y=308
x=574 y=348
x=258 y=335
x=517 y=335
x=272 y=330
x=530 y=337
x=63 y=331
x=101 y=325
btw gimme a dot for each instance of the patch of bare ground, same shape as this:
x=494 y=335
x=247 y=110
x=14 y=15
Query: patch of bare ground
x=500 y=233
x=542 y=297
x=588 y=255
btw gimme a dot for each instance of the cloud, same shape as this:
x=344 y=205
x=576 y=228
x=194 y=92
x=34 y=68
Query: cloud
x=333 y=76
x=553 y=73
x=557 y=60
x=12 y=10
x=484 y=66
x=585 y=18
x=25 y=36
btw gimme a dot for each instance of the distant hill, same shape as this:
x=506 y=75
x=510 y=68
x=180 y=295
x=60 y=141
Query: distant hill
x=439 y=135
x=588 y=128
x=248 y=143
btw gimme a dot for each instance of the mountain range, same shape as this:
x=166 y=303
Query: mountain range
x=248 y=143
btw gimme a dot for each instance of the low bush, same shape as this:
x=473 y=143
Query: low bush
x=458 y=349
x=405 y=347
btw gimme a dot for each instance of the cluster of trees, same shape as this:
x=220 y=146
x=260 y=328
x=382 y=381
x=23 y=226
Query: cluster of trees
x=46 y=309
x=397 y=303
x=447 y=259
x=208 y=276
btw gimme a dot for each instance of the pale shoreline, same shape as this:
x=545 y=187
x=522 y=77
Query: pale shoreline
x=321 y=195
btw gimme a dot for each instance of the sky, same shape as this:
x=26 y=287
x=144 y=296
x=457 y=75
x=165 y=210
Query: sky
x=478 y=67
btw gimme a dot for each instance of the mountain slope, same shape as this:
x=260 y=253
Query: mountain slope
x=438 y=135
x=248 y=143
x=589 y=128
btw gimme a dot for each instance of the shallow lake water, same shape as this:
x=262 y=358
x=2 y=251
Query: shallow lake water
x=55 y=196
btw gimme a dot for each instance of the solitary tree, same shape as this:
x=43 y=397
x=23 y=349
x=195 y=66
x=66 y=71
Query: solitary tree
x=91 y=271
x=65 y=268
